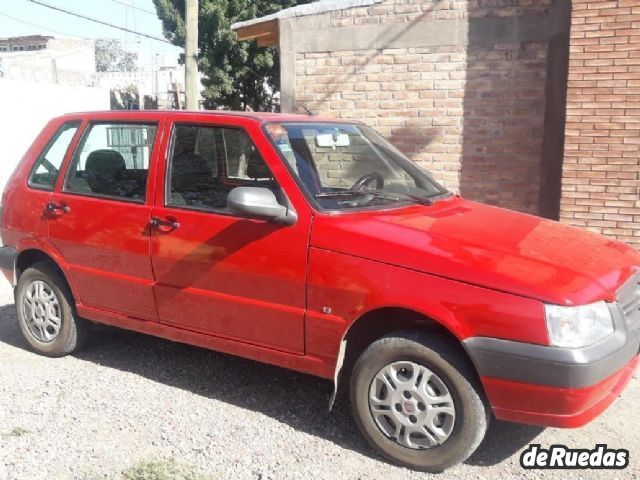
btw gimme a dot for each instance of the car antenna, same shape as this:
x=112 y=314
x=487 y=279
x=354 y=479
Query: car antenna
x=304 y=107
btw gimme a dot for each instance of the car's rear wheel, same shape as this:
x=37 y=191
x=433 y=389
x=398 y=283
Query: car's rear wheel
x=46 y=314
x=417 y=401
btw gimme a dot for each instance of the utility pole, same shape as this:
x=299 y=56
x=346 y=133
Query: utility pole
x=139 y=75
x=191 y=55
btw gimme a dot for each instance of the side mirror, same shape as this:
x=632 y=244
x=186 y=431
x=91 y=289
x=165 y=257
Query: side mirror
x=258 y=202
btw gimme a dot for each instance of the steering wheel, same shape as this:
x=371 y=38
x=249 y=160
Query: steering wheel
x=365 y=180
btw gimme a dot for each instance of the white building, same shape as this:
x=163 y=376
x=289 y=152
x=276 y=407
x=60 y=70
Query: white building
x=40 y=78
x=161 y=80
x=62 y=61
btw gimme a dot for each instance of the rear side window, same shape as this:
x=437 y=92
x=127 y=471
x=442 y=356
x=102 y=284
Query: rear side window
x=47 y=168
x=113 y=161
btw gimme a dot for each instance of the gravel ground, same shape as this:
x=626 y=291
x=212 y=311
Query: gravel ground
x=126 y=399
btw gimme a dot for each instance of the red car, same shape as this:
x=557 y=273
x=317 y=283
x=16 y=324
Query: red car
x=315 y=245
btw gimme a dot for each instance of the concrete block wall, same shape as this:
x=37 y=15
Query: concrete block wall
x=601 y=171
x=65 y=61
x=459 y=86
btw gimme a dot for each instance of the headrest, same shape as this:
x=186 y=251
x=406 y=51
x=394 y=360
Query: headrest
x=105 y=162
x=256 y=168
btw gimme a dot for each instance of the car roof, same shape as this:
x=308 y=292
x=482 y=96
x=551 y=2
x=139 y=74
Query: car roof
x=262 y=117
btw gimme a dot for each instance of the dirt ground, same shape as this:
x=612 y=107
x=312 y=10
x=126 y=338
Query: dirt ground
x=128 y=398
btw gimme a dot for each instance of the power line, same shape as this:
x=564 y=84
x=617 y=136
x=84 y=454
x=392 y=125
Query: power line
x=135 y=8
x=41 y=27
x=66 y=34
x=101 y=22
x=133 y=16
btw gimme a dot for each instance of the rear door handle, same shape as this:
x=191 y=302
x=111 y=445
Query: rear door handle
x=160 y=223
x=57 y=208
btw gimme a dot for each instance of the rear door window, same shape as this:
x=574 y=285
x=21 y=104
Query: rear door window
x=113 y=161
x=47 y=168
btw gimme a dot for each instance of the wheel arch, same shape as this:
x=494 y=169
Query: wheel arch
x=377 y=323
x=33 y=255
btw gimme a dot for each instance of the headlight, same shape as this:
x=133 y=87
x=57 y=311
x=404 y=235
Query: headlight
x=578 y=326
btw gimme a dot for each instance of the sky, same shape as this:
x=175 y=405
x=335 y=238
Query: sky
x=29 y=19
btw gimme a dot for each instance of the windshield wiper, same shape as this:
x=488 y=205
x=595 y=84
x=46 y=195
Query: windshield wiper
x=398 y=197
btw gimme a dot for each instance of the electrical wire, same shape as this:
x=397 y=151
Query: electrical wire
x=41 y=27
x=101 y=22
x=135 y=8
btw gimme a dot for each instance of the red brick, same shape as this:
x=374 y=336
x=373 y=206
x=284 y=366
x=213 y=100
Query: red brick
x=601 y=174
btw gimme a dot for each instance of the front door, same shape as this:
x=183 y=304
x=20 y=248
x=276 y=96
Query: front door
x=238 y=278
x=99 y=219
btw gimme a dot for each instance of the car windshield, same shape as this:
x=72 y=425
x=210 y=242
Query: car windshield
x=342 y=166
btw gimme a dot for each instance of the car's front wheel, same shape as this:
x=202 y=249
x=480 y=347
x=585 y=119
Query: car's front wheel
x=46 y=314
x=417 y=401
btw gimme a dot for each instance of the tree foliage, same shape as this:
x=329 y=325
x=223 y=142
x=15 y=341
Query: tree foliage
x=236 y=74
x=112 y=57
x=125 y=98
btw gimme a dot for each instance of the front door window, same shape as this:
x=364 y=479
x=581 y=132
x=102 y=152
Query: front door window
x=208 y=162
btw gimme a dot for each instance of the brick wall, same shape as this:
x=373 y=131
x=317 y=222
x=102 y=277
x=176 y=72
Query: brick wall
x=601 y=168
x=403 y=11
x=473 y=115
x=398 y=91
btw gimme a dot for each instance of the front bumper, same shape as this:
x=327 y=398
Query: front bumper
x=555 y=406
x=559 y=387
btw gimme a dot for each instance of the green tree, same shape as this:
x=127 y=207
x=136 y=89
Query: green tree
x=112 y=57
x=236 y=74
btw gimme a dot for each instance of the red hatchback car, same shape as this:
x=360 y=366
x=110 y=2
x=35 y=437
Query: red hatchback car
x=317 y=246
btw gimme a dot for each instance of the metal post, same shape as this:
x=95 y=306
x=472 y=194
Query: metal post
x=191 y=55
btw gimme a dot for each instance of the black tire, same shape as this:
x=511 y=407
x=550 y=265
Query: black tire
x=444 y=358
x=73 y=330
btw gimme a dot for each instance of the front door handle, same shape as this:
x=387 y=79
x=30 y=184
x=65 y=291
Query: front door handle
x=57 y=208
x=162 y=223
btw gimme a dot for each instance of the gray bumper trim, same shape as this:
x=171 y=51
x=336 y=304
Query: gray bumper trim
x=8 y=258
x=552 y=366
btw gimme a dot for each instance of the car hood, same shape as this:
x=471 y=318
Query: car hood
x=485 y=246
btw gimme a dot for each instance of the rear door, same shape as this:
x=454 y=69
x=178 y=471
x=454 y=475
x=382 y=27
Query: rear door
x=216 y=272
x=99 y=216
x=27 y=215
